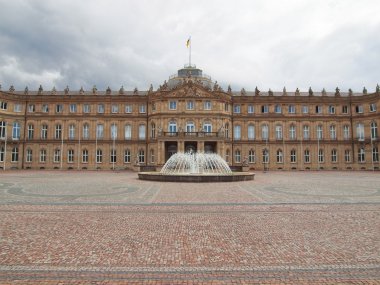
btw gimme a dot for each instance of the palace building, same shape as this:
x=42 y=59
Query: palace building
x=289 y=130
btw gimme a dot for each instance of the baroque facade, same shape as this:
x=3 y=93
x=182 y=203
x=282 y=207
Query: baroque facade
x=133 y=129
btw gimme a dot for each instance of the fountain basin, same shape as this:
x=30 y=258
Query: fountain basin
x=188 y=177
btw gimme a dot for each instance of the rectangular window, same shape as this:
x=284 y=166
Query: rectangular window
x=190 y=105
x=226 y=107
x=29 y=155
x=142 y=108
x=59 y=108
x=85 y=156
x=86 y=108
x=128 y=108
x=292 y=109
x=45 y=108
x=43 y=155
x=115 y=109
x=318 y=109
x=305 y=109
x=207 y=105
x=359 y=109
x=128 y=132
x=278 y=109
x=31 y=108
x=100 y=108
x=44 y=130
x=15 y=154
x=172 y=105
x=73 y=108
x=142 y=132
x=16 y=131
x=30 y=132
x=113 y=156
x=344 y=109
x=265 y=109
x=58 y=131
x=372 y=107
x=71 y=132
x=57 y=155
x=17 y=108
x=99 y=131
x=3 y=105
x=347 y=155
x=127 y=156
x=321 y=157
x=346 y=132
x=70 y=156
x=99 y=156
x=236 y=109
x=331 y=109
x=237 y=132
x=307 y=156
x=334 y=155
x=251 y=109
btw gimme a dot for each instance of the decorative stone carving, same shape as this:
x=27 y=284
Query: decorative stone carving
x=257 y=91
x=297 y=93
x=310 y=91
x=94 y=89
x=229 y=90
x=215 y=88
x=270 y=92
x=284 y=93
x=40 y=89
x=53 y=91
x=81 y=90
x=243 y=92
x=67 y=90
x=108 y=91
x=364 y=90
x=26 y=90
x=337 y=91
x=324 y=93
x=12 y=88
x=121 y=90
x=135 y=91
x=350 y=93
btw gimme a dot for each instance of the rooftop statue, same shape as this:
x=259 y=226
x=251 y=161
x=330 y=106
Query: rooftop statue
x=81 y=90
x=108 y=91
x=284 y=91
x=67 y=90
x=135 y=91
x=257 y=91
x=350 y=92
x=364 y=90
x=298 y=91
x=150 y=88
x=12 y=88
x=53 y=91
x=40 y=89
x=324 y=93
x=310 y=91
x=270 y=92
x=26 y=90
x=243 y=92
x=337 y=91
x=229 y=90
x=94 y=89
x=121 y=90
x=377 y=88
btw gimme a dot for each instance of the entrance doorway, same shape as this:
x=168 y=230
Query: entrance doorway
x=210 y=147
x=191 y=147
x=170 y=149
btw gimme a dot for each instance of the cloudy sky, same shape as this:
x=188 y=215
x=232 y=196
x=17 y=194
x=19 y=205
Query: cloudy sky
x=264 y=43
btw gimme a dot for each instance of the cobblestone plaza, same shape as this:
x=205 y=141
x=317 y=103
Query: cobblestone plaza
x=103 y=227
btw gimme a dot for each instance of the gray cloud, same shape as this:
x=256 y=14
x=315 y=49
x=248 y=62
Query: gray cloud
x=243 y=43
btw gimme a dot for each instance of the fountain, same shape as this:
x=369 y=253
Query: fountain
x=196 y=167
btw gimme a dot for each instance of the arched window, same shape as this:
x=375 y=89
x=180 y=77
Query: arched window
x=30 y=131
x=190 y=127
x=113 y=131
x=361 y=154
x=277 y=109
x=334 y=155
x=279 y=156
x=237 y=132
x=278 y=132
x=16 y=131
x=141 y=132
x=85 y=156
x=71 y=132
x=127 y=156
x=128 y=132
x=15 y=154
x=86 y=131
x=319 y=132
x=58 y=131
x=360 y=131
x=2 y=152
x=306 y=156
x=237 y=156
x=264 y=132
x=70 y=156
x=207 y=127
x=375 y=154
x=152 y=130
x=99 y=156
x=265 y=156
x=347 y=155
x=251 y=156
x=306 y=132
x=227 y=130
x=332 y=132
x=373 y=130
x=141 y=156
x=57 y=155
x=293 y=156
x=99 y=131
x=346 y=132
x=29 y=155
x=292 y=132
x=172 y=127
x=251 y=132
x=113 y=156
x=3 y=126
x=44 y=132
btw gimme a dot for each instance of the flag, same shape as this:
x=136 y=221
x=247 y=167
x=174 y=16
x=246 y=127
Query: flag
x=188 y=42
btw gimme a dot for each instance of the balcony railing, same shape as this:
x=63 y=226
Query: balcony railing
x=192 y=134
